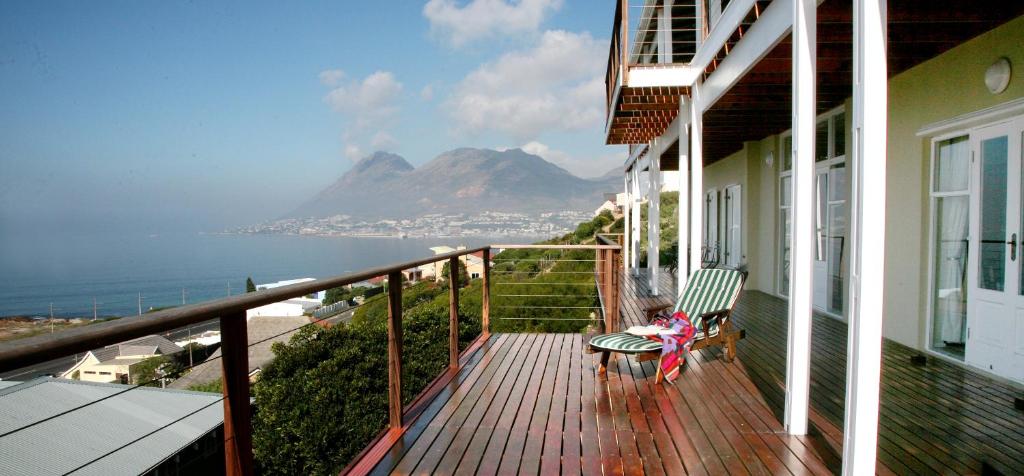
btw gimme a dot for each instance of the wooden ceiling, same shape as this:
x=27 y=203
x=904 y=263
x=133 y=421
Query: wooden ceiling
x=642 y=114
x=759 y=105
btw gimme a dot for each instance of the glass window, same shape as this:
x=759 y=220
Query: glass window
x=786 y=190
x=837 y=179
x=787 y=230
x=821 y=142
x=839 y=132
x=951 y=165
x=820 y=208
x=992 y=256
x=787 y=153
x=949 y=299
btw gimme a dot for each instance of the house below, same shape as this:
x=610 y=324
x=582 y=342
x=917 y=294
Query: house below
x=126 y=430
x=114 y=363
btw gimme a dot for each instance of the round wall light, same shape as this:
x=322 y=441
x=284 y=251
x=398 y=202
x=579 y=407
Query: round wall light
x=769 y=158
x=997 y=76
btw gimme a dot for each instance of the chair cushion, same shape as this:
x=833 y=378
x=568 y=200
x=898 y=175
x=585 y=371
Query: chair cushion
x=624 y=343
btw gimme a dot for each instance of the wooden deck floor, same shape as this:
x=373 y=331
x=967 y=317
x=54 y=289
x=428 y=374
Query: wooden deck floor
x=533 y=403
x=936 y=418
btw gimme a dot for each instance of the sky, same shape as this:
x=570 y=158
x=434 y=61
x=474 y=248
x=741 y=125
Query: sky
x=154 y=115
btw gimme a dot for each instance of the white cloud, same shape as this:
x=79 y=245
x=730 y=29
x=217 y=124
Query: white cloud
x=369 y=107
x=427 y=93
x=480 y=19
x=383 y=141
x=331 y=77
x=353 y=152
x=558 y=85
x=372 y=102
x=588 y=166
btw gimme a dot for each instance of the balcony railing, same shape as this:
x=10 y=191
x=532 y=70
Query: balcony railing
x=231 y=312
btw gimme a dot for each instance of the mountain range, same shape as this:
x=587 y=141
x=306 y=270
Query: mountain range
x=466 y=180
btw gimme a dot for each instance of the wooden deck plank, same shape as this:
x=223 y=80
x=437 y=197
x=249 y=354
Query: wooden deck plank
x=515 y=446
x=415 y=453
x=490 y=460
x=452 y=454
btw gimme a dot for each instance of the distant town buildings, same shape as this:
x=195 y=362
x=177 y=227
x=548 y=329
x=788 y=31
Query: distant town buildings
x=114 y=362
x=432 y=225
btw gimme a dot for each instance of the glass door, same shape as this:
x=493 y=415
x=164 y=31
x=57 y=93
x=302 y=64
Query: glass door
x=995 y=308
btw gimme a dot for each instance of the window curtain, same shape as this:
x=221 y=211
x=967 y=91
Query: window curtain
x=951 y=268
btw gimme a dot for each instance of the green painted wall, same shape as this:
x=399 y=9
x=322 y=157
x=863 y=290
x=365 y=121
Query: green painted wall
x=944 y=87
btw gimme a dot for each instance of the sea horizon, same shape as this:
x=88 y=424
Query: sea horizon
x=170 y=268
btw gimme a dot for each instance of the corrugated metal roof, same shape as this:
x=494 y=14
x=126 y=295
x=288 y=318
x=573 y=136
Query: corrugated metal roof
x=78 y=438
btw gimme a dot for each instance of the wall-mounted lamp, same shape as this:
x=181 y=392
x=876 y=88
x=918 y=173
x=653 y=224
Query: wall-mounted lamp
x=997 y=76
x=769 y=158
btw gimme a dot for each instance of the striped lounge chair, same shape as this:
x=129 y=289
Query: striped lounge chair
x=708 y=300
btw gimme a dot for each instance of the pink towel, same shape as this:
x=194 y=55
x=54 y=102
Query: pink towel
x=676 y=346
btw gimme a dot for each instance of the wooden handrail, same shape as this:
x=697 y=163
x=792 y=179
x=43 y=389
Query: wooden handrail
x=42 y=348
x=556 y=247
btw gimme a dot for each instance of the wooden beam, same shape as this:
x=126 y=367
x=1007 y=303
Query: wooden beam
x=237 y=412
x=395 y=350
x=485 y=300
x=453 y=312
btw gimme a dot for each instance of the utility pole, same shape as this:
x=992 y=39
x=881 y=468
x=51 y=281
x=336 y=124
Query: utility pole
x=51 y=318
x=94 y=309
x=189 y=344
x=140 y=304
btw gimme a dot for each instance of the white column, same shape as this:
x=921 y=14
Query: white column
x=798 y=355
x=653 y=215
x=637 y=198
x=683 y=270
x=696 y=176
x=665 y=33
x=867 y=233
x=626 y=215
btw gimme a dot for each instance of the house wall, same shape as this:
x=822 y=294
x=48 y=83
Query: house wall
x=947 y=86
x=941 y=88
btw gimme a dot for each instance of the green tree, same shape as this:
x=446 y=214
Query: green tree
x=463 y=274
x=250 y=287
x=149 y=371
x=585 y=231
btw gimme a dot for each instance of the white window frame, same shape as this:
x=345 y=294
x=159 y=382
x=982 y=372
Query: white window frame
x=932 y=195
x=833 y=159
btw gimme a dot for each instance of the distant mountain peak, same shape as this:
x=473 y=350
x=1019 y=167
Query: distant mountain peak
x=462 y=180
x=381 y=160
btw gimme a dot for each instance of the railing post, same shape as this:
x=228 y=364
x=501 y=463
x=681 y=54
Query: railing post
x=453 y=312
x=237 y=413
x=395 y=349
x=624 y=34
x=485 y=312
x=613 y=290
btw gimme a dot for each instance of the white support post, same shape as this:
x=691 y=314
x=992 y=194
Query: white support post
x=696 y=177
x=653 y=216
x=798 y=355
x=665 y=33
x=867 y=232
x=627 y=229
x=683 y=247
x=637 y=197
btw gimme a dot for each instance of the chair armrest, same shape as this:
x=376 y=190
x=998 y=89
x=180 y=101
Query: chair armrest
x=709 y=317
x=651 y=311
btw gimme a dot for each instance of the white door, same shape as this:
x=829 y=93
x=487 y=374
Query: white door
x=711 y=225
x=821 y=241
x=733 y=226
x=995 y=317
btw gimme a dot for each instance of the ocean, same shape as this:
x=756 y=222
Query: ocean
x=71 y=270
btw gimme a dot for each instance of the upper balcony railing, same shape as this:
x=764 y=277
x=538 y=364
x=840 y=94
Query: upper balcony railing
x=231 y=312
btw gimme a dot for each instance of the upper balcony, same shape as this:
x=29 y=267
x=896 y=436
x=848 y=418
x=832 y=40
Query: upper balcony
x=658 y=48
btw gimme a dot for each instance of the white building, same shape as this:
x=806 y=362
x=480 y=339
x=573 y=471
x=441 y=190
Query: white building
x=320 y=296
